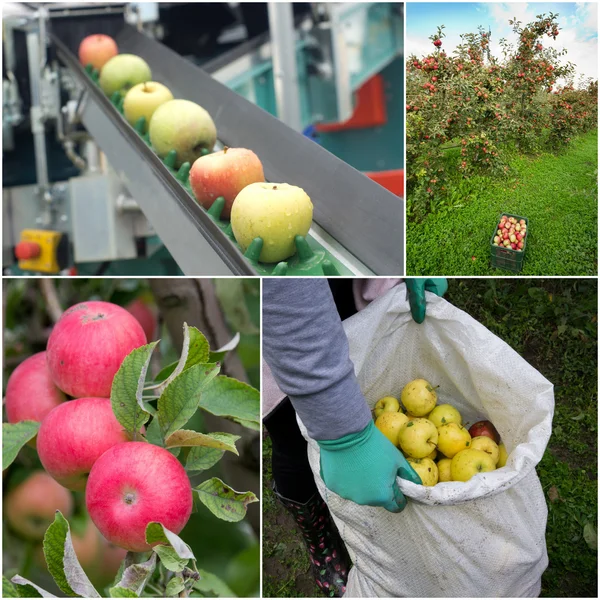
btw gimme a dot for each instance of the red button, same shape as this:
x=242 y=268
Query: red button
x=27 y=250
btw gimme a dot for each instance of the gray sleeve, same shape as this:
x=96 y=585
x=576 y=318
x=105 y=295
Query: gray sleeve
x=306 y=348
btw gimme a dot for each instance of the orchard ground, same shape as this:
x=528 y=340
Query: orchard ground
x=557 y=194
x=553 y=325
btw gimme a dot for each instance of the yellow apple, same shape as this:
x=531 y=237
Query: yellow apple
x=143 y=99
x=411 y=417
x=390 y=423
x=482 y=442
x=419 y=397
x=443 y=414
x=418 y=438
x=122 y=72
x=502 y=456
x=433 y=455
x=275 y=212
x=426 y=469
x=182 y=126
x=469 y=462
x=386 y=404
x=452 y=438
x=445 y=473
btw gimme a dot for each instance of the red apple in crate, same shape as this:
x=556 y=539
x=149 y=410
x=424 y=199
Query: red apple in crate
x=30 y=391
x=97 y=50
x=520 y=245
x=88 y=345
x=485 y=428
x=133 y=484
x=226 y=174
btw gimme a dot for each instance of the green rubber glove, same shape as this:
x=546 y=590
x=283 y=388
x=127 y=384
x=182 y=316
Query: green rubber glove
x=362 y=467
x=416 y=287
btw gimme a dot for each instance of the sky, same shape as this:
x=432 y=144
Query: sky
x=578 y=25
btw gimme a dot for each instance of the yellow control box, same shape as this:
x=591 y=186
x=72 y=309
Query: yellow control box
x=47 y=259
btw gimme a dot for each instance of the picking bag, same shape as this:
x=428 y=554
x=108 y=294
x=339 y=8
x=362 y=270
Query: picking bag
x=481 y=538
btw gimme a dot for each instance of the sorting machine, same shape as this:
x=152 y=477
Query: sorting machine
x=116 y=205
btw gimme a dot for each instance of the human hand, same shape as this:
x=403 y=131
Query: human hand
x=362 y=467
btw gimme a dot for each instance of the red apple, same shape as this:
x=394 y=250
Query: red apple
x=145 y=315
x=131 y=485
x=226 y=174
x=88 y=345
x=97 y=50
x=30 y=507
x=484 y=428
x=74 y=435
x=30 y=391
x=513 y=246
x=520 y=245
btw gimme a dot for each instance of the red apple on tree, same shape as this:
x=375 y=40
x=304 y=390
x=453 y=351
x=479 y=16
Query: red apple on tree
x=30 y=507
x=97 y=50
x=226 y=174
x=30 y=391
x=74 y=435
x=485 y=428
x=88 y=345
x=133 y=484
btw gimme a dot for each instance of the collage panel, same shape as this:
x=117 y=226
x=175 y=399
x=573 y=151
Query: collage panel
x=502 y=122
x=430 y=438
x=131 y=444
x=204 y=139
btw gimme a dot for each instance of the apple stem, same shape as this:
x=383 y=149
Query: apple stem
x=274 y=187
x=225 y=148
x=146 y=86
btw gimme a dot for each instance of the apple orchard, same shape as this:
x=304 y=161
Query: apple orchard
x=467 y=113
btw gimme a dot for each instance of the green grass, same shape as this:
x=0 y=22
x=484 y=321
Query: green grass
x=557 y=193
x=552 y=323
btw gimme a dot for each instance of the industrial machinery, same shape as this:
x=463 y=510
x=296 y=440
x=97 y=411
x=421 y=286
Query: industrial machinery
x=101 y=201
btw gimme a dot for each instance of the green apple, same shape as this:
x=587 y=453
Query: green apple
x=488 y=445
x=502 y=456
x=419 y=397
x=143 y=99
x=122 y=72
x=418 y=438
x=443 y=414
x=426 y=469
x=469 y=462
x=182 y=126
x=444 y=470
x=386 y=404
x=275 y=212
x=390 y=424
x=452 y=438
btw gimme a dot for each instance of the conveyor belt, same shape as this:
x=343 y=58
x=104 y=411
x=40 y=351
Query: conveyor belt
x=358 y=214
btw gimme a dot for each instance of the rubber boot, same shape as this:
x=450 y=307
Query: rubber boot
x=328 y=555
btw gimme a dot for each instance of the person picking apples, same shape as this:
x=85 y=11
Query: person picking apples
x=307 y=360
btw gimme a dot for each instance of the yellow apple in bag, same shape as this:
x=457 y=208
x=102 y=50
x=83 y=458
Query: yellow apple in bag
x=419 y=397
x=444 y=470
x=502 y=456
x=426 y=469
x=390 y=423
x=488 y=445
x=418 y=438
x=443 y=414
x=452 y=438
x=386 y=404
x=470 y=462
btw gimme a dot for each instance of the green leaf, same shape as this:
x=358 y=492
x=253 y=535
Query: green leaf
x=179 y=401
x=14 y=437
x=135 y=575
x=227 y=397
x=590 y=535
x=184 y=437
x=157 y=532
x=211 y=585
x=8 y=589
x=195 y=350
x=62 y=561
x=174 y=586
x=255 y=425
x=223 y=501
x=28 y=589
x=230 y=292
x=219 y=355
x=154 y=434
x=170 y=559
x=202 y=458
x=119 y=592
x=165 y=372
x=128 y=388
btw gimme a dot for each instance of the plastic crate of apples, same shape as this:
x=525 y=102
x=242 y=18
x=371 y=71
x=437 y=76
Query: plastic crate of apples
x=433 y=439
